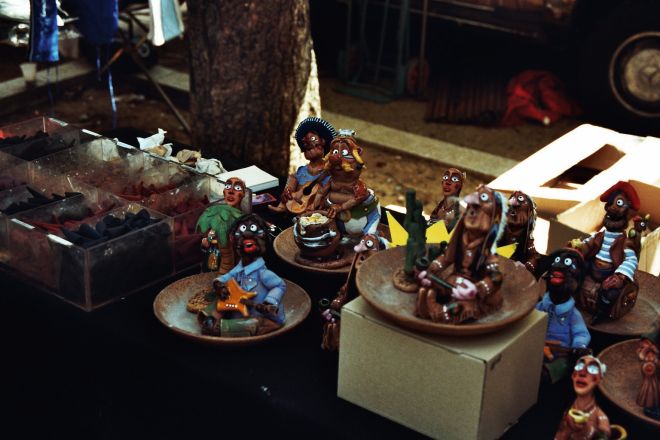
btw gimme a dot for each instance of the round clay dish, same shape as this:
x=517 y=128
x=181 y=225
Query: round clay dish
x=623 y=378
x=286 y=248
x=641 y=317
x=170 y=309
x=520 y=290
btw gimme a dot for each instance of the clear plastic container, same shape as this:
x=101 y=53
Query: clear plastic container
x=91 y=276
x=39 y=137
x=185 y=204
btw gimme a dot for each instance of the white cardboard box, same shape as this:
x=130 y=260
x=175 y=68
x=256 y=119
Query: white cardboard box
x=444 y=387
x=580 y=166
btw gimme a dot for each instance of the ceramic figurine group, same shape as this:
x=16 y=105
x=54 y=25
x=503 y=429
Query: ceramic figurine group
x=334 y=208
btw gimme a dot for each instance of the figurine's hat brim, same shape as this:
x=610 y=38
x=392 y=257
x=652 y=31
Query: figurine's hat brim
x=625 y=188
x=320 y=126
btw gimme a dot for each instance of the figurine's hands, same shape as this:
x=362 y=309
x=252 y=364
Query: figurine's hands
x=286 y=195
x=220 y=290
x=205 y=243
x=333 y=210
x=578 y=352
x=266 y=309
x=423 y=280
x=614 y=281
x=464 y=289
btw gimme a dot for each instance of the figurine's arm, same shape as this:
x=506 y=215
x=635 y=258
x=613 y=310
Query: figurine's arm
x=275 y=285
x=532 y=257
x=581 y=336
x=231 y=274
x=290 y=186
x=603 y=426
x=629 y=264
x=492 y=281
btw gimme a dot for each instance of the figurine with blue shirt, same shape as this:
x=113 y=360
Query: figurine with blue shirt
x=248 y=297
x=567 y=336
x=313 y=136
x=609 y=290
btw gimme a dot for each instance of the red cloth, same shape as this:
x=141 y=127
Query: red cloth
x=537 y=95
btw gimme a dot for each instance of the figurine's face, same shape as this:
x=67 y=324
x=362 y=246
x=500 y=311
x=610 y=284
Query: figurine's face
x=249 y=237
x=563 y=276
x=368 y=245
x=344 y=159
x=586 y=376
x=520 y=209
x=211 y=236
x=312 y=146
x=641 y=223
x=481 y=211
x=616 y=212
x=452 y=182
x=234 y=191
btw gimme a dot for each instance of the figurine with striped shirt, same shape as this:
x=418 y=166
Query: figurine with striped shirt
x=609 y=289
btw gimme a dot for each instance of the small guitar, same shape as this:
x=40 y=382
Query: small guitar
x=239 y=301
x=304 y=197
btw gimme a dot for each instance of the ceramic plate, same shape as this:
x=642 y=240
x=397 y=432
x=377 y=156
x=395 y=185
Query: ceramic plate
x=520 y=289
x=286 y=248
x=640 y=319
x=623 y=378
x=170 y=309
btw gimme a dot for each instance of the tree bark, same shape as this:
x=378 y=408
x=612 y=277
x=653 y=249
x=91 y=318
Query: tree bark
x=250 y=64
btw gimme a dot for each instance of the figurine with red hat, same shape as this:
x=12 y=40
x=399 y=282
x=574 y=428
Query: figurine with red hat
x=609 y=289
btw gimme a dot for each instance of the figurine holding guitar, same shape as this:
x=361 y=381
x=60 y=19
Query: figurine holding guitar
x=313 y=136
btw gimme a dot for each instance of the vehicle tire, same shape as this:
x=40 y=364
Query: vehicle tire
x=619 y=68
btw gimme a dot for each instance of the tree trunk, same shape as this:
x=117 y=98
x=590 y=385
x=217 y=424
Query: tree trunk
x=250 y=64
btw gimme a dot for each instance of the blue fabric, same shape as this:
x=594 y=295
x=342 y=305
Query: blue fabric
x=303 y=176
x=629 y=264
x=255 y=277
x=43 y=31
x=98 y=20
x=565 y=323
x=170 y=19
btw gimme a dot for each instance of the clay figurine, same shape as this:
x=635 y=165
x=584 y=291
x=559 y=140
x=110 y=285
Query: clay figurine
x=313 y=136
x=404 y=278
x=567 y=335
x=449 y=209
x=521 y=219
x=641 y=225
x=219 y=218
x=248 y=297
x=345 y=197
x=318 y=238
x=368 y=245
x=584 y=419
x=609 y=289
x=464 y=282
x=648 y=353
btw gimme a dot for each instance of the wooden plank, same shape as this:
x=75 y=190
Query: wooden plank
x=15 y=95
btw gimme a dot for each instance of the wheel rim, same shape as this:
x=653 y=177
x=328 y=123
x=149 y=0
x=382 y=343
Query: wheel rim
x=634 y=74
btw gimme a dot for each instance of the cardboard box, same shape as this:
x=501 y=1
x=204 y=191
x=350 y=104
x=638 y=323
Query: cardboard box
x=583 y=219
x=580 y=166
x=444 y=387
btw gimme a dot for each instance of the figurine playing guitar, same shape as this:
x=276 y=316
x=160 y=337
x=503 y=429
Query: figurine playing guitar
x=313 y=136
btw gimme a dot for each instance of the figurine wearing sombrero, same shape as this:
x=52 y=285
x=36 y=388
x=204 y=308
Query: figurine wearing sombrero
x=313 y=136
x=609 y=289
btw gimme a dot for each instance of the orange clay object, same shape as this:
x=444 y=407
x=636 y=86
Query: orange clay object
x=235 y=302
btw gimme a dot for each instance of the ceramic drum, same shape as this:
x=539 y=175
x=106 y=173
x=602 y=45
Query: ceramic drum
x=316 y=235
